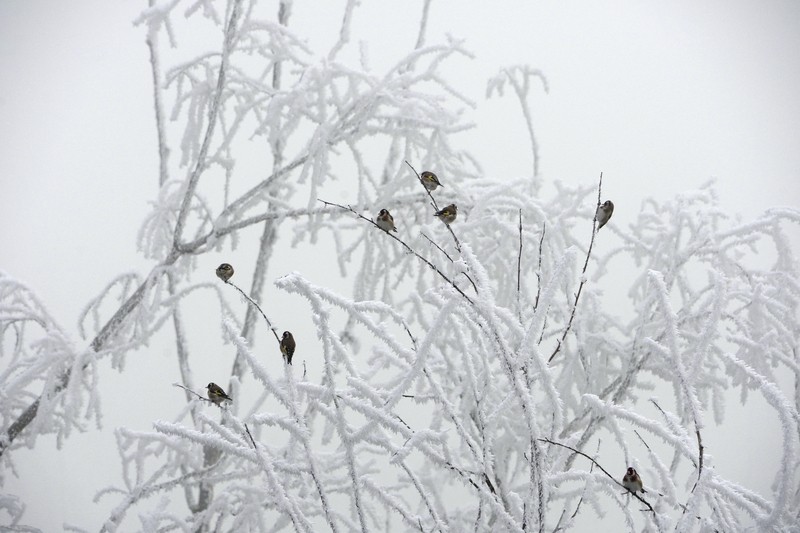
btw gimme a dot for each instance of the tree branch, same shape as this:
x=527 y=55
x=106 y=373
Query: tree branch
x=598 y=465
x=583 y=276
x=407 y=247
x=213 y=112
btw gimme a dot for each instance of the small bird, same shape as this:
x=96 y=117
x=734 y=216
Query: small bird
x=216 y=394
x=385 y=221
x=448 y=214
x=632 y=481
x=430 y=181
x=287 y=346
x=225 y=272
x=604 y=213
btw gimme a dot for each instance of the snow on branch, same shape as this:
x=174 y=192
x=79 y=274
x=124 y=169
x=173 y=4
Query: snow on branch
x=456 y=377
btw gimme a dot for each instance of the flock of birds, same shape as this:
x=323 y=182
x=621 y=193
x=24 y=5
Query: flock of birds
x=631 y=480
x=431 y=182
x=448 y=215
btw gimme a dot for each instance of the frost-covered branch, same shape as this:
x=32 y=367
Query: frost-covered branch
x=583 y=276
x=420 y=405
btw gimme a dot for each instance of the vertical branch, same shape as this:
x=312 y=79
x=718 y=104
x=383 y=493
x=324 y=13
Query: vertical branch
x=519 y=266
x=583 y=275
x=539 y=268
x=181 y=349
x=423 y=24
x=539 y=283
x=180 y=342
x=677 y=363
x=303 y=435
x=155 y=69
x=522 y=88
x=536 y=478
x=213 y=112
x=341 y=423
x=277 y=70
x=269 y=233
x=344 y=30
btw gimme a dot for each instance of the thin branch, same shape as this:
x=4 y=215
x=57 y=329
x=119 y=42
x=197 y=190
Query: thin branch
x=423 y=25
x=419 y=178
x=580 y=501
x=265 y=247
x=435 y=206
x=700 y=449
x=612 y=478
x=451 y=260
x=519 y=267
x=437 y=246
x=591 y=469
x=685 y=508
x=163 y=150
x=521 y=89
x=698 y=465
x=180 y=339
x=407 y=247
x=274 y=332
x=583 y=276
x=213 y=112
x=539 y=268
x=268 y=235
x=642 y=439
x=252 y=440
x=190 y=391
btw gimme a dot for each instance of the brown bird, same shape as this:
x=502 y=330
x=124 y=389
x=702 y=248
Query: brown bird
x=448 y=214
x=604 y=213
x=385 y=221
x=287 y=346
x=632 y=481
x=430 y=181
x=216 y=394
x=225 y=272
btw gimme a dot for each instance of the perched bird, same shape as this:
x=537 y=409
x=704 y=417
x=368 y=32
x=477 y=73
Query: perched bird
x=604 y=213
x=216 y=394
x=448 y=214
x=225 y=272
x=632 y=481
x=287 y=346
x=385 y=221
x=430 y=181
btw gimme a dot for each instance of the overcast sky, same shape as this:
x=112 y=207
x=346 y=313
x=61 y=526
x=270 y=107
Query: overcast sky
x=660 y=96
